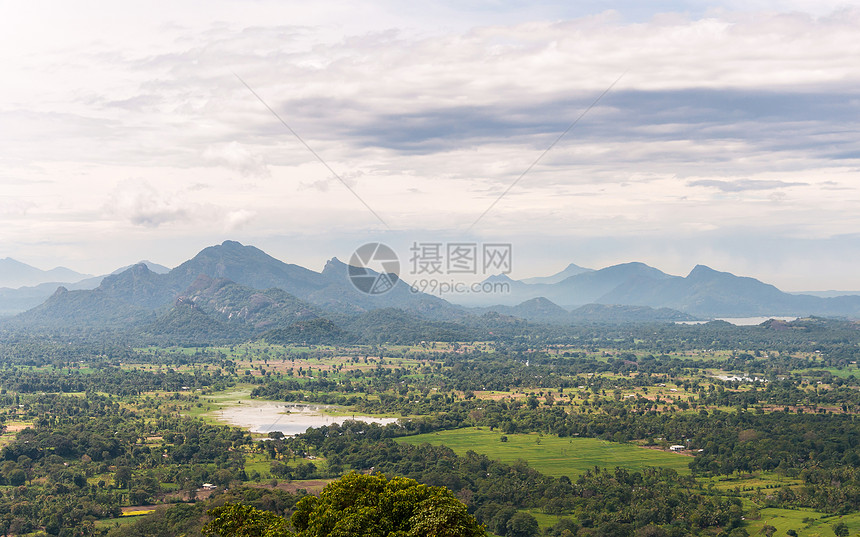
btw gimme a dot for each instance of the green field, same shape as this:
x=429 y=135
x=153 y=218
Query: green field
x=817 y=524
x=550 y=454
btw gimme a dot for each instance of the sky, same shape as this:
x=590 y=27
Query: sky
x=717 y=133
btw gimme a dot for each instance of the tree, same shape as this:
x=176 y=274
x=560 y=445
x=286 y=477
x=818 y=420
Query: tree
x=137 y=497
x=840 y=529
x=122 y=477
x=236 y=520
x=768 y=530
x=373 y=506
x=522 y=524
x=499 y=523
x=17 y=477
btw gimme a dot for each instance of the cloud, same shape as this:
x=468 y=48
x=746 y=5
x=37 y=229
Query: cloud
x=141 y=204
x=238 y=218
x=237 y=157
x=741 y=185
x=14 y=207
x=440 y=109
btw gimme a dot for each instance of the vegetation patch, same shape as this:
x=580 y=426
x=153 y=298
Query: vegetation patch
x=550 y=454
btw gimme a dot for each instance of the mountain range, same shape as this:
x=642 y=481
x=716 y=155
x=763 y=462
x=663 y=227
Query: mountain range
x=15 y=274
x=16 y=297
x=230 y=290
x=233 y=291
x=704 y=293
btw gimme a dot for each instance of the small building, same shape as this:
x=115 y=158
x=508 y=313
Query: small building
x=209 y=486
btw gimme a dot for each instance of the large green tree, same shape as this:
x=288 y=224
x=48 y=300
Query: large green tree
x=237 y=520
x=356 y=504
x=522 y=524
x=372 y=506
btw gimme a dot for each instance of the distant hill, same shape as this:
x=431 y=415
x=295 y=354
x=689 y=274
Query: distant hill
x=142 y=287
x=241 y=287
x=826 y=294
x=245 y=265
x=710 y=293
x=95 y=309
x=536 y=309
x=339 y=295
x=14 y=301
x=626 y=314
x=571 y=270
x=20 y=299
x=14 y=274
x=240 y=291
x=154 y=267
x=574 y=291
x=544 y=311
x=704 y=292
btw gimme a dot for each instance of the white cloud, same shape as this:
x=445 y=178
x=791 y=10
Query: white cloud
x=238 y=219
x=730 y=114
x=142 y=205
x=237 y=157
x=14 y=207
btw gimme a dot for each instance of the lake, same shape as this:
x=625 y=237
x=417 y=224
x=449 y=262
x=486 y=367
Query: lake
x=288 y=418
x=743 y=321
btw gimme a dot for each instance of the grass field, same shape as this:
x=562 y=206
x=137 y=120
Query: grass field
x=552 y=455
x=817 y=524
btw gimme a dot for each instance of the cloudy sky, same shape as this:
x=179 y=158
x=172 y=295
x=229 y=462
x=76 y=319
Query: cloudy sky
x=731 y=138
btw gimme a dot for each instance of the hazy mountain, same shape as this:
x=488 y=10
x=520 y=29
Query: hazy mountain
x=245 y=291
x=589 y=287
x=13 y=301
x=338 y=294
x=331 y=289
x=509 y=292
x=826 y=294
x=542 y=310
x=611 y=313
x=710 y=293
x=702 y=293
x=232 y=284
x=577 y=290
x=245 y=265
x=93 y=308
x=536 y=309
x=14 y=274
x=154 y=267
x=571 y=270
x=142 y=287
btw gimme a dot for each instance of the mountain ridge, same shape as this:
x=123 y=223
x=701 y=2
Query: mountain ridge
x=15 y=274
x=704 y=293
x=242 y=289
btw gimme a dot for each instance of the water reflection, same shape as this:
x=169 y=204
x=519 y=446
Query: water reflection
x=288 y=418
